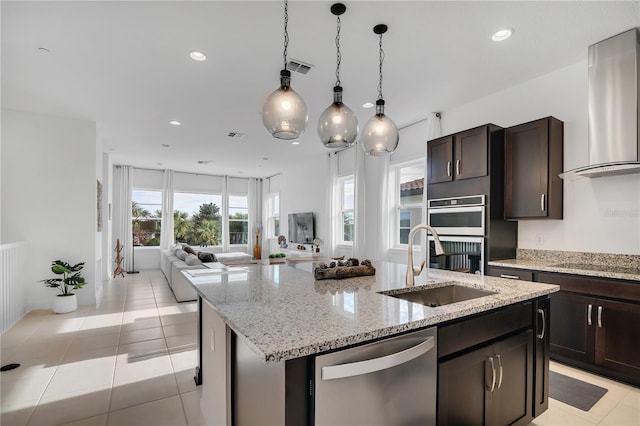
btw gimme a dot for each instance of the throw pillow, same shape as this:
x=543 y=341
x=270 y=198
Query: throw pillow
x=181 y=254
x=192 y=260
x=189 y=250
x=206 y=257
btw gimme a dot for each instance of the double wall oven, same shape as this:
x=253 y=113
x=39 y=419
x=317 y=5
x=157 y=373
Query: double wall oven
x=460 y=224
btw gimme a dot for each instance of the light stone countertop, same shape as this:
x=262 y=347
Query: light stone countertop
x=283 y=313
x=587 y=269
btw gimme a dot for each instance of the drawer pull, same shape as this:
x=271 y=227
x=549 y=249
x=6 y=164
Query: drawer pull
x=589 y=312
x=600 y=316
x=448 y=168
x=511 y=277
x=542 y=202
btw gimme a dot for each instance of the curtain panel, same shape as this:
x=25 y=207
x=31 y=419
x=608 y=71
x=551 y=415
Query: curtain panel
x=167 y=237
x=125 y=229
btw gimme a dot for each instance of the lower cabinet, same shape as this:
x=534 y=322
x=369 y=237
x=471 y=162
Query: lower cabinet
x=491 y=385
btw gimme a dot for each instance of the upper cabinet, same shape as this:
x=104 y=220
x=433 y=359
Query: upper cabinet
x=533 y=160
x=459 y=156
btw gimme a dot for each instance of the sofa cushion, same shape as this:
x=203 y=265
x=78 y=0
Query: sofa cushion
x=181 y=254
x=189 y=250
x=206 y=257
x=192 y=260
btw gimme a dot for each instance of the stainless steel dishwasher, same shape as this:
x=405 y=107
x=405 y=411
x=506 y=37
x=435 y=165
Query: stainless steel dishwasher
x=390 y=382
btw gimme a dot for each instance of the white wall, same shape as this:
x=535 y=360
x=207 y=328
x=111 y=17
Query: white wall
x=49 y=197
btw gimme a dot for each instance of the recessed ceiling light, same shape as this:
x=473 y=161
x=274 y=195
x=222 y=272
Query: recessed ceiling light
x=198 y=56
x=295 y=143
x=265 y=158
x=502 y=34
x=367 y=105
x=175 y=123
x=165 y=145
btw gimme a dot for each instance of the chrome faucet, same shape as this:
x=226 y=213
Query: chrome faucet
x=411 y=272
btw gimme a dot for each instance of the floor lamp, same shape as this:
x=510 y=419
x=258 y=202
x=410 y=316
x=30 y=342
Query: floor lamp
x=147 y=226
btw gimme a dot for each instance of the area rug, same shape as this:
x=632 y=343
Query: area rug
x=574 y=392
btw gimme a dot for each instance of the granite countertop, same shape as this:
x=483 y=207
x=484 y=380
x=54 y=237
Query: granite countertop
x=282 y=312
x=608 y=270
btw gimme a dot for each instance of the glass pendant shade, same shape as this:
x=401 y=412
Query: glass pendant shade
x=284 y=113
x=380 y=135
x=338 y=125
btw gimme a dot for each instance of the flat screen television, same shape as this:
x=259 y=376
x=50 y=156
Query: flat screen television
x=301 y=229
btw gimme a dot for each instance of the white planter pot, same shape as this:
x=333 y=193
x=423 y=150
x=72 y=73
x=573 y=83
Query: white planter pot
x=64 y=304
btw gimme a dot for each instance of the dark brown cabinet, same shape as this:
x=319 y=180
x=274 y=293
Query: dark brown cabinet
x=460 y=156
x=533 y=160
x=542 y=353
x=488 y=386
x=594 y=324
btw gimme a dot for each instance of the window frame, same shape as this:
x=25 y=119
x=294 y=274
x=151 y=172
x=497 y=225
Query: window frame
x=158 y=219
x=398 y=207
x=273 y=214
x=340 y=228
x=229 y=219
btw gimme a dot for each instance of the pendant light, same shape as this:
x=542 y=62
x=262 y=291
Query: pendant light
x=380 y=134
x=338 y=125
x=284 y=113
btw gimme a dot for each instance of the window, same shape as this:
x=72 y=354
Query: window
x=274 y=215
x=409 y=199
x=146 y=214
x=346 y=187
x=197 y=219
x=238 y=219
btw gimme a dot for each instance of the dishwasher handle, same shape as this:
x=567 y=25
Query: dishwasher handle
x=359 y=368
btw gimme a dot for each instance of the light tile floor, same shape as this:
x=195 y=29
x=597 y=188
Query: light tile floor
x=130 y=360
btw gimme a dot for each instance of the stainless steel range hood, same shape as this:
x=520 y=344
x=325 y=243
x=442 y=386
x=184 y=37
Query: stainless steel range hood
x=614 y=113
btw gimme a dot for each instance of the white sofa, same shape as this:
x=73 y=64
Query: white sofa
x=172 y=263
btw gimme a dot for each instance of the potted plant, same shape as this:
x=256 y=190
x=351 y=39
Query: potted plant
x=71 y=280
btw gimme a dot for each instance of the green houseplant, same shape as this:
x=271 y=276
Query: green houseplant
x=71 y=280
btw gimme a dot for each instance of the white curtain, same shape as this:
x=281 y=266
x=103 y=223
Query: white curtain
x=167 y=237
x=330 y=239
x=224 y=213
x=125 y=229
x=360 y=237
x=384 y=215
x=255 y=212
x=267 y=232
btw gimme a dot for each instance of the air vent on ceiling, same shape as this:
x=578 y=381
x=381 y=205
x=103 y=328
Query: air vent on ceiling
x=235 y=135
x=298 y=66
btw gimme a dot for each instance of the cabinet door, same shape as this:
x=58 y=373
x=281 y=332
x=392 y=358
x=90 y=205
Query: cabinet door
x=618 y=337
x=440 y=160
x=572 y=326
x=526 y=170
x=512 y=398
x=471 y=153
x=463 y=398
x=541 y=356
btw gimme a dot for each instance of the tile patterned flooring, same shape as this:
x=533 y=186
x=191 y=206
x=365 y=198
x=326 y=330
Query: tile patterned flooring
x=130 y=360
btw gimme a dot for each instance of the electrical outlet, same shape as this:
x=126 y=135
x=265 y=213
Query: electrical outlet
x=540 y=239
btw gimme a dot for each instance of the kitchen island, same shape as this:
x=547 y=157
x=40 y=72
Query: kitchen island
x=262 y=327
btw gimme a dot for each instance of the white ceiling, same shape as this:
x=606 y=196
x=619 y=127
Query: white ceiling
x=125 y=65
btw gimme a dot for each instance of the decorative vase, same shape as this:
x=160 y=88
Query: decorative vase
x=63 y=304
x=257 y=250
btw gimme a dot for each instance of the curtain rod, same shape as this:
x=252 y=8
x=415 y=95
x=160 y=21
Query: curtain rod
x=419 y=120
x=192 y=173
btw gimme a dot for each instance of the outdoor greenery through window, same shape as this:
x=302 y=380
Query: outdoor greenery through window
x=410 y=181
x=146 y=214
x=197 y=219
x=347 y=194
x=238 y=219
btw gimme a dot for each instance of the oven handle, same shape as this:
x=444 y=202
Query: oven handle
x=465 y=209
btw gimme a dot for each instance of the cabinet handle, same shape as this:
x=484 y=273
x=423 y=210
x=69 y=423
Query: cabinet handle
x=448 y=168
x=491 y=387
x=458 y=167
x=500 y=373
x=542 y=202
x=600 y=316
x=511 y=277
x=589 y=310
x=544 y=324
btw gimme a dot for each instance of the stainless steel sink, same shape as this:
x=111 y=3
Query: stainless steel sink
x=438 y=296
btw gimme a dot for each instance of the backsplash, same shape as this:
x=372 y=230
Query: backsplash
x=556 y=256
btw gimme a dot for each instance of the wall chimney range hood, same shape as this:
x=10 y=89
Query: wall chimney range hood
x=614 y=112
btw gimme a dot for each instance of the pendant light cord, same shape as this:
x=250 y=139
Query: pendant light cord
x=286 y=33
x=338 y=55
x=381 y=60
